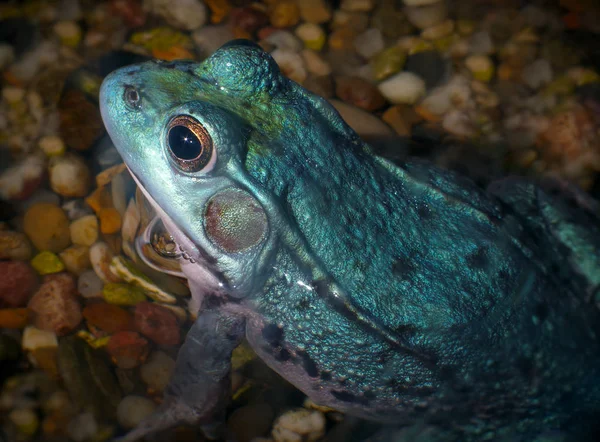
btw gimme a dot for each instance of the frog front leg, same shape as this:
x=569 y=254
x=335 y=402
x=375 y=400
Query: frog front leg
x=200 y=384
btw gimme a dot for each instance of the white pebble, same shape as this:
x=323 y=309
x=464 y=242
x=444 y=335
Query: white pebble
x=404 y=87
x=426 y=15
x=458 y=123
x=363 y=123
x=357 y=5
x=315 y=64
x=52 y=145
x=208 y=39
x=89 y=285
x=369 y=43
x=7 y=55
x=182 y=14
x=34 y=338
x=291 y=64
x=537 y=73
x=299 y=425
x=134 y=409
x=82 y=427
x=157 y=370
x=438 y=30
x=284 y=40
x=481 y=43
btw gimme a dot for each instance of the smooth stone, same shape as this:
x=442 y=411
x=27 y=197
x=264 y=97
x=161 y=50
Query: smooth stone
x=369 y=43
x=134 y=409
x=427 y=15
x=537 y=74
x=363 y=123
x=208 y=39
x=428 y=65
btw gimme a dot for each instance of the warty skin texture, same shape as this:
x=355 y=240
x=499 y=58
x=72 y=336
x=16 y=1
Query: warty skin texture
x=400 y=294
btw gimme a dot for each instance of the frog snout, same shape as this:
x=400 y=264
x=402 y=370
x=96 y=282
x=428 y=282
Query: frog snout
x=235 y=221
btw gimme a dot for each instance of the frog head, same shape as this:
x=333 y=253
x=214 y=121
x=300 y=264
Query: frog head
x=202 y=139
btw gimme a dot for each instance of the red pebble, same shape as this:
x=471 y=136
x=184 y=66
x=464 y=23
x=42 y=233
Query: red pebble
x=17 y=282
x=108 y=317
x=55 y=304
x=248 y=18
x=127 y=349
x=131 y=11
x=157 y=323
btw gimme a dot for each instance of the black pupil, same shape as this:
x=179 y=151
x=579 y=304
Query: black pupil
x=184 y=143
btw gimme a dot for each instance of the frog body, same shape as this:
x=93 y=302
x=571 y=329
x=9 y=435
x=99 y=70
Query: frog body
x=395 y=293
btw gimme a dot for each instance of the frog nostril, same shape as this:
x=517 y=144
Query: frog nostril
x=132 y=97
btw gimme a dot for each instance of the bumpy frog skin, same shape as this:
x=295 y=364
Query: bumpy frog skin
x=399 y=294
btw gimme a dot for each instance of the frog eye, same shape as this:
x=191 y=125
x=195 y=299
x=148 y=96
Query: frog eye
x=190 y=144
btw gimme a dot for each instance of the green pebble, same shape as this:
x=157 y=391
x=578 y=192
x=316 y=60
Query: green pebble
x=123 y=294
x=47 y=262
x=388 y=62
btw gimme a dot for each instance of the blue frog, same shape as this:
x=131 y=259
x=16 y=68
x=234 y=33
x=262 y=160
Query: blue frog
x=396 y=293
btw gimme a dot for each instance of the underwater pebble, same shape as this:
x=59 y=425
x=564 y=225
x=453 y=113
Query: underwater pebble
x=122 y=294
x=127 y=349
x=13 y=318
x=208 y=39
x=47 y=226
x=134 y=409
x=100 y=257
x=76 y=209
x=369 y=43
x=89 y=285
x=76 y=258
x=282 y=39
x=363 y=123
x=25 y=420
x=108 y=317
x=17 y=282
x=91 y=383
x=357 y=5
x=157 y=323
x=425 y=16
x=537 y=73
x=396 y=117
x=284 y=14
x=458 y=123
x=34 y=338
x=404 y=87
x=291 y=64
x=52 y=145
x=46 y=263
x=84 y=230
x=7 y=55
x=251 y=421
x=69 y=176
x=183 y=14
x=438 y=30
x=481 y=66
x=127 y=271
x=157 y=371
x=299 y=425
x=315 y=64
x=359 y=93
x=55 y=305
x=68 y=32
x=428 y=65
x=314 y=11
x=480 y=43
x=83 y=427
x=14 y=245
x=21 y=180
x=388 y=62
x=80 y=120
x=312 y=35
x=110 y=220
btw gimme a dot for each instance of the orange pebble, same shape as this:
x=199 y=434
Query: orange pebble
x=110 y=220
x=99 y=198
x=14 y=317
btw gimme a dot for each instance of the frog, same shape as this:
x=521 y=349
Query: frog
x=397 y=292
